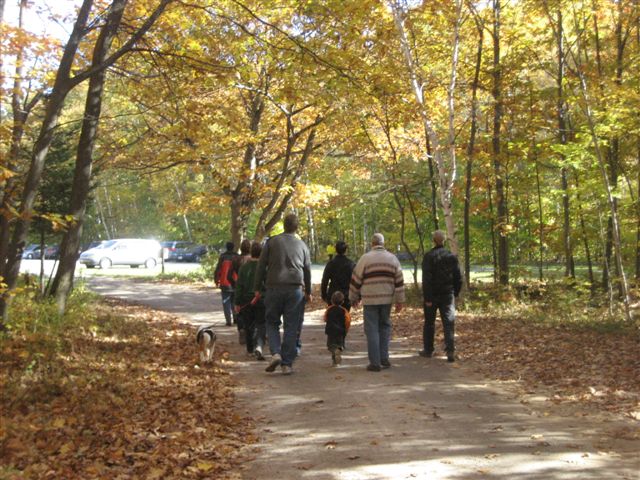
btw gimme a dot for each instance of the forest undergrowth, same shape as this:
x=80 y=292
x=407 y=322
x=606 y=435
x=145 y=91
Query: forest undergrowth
x=112 y=391
x=557 y=340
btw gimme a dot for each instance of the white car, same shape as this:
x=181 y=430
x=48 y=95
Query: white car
x=125 y=251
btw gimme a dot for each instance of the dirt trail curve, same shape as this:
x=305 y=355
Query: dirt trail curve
x=423 y=418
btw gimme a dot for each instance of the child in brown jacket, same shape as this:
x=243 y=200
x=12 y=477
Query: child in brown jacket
x=337 y=320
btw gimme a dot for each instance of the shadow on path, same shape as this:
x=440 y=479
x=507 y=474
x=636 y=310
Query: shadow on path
x=423 y=418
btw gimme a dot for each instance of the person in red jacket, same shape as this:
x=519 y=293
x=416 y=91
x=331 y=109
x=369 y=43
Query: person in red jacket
x=225 y=277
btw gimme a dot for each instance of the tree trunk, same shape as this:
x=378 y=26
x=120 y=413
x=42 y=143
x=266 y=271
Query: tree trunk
x=540 y=224
x=470 y=152
x=583 y=227
x=569 y=270
x=638 y=221
x=501 y=201
x=312 y=240
x=61 y=88
x=608 y=189
x=494 y=243
x=433 y=184
x=63 y=281
x=20 y=110
x=275 y=209
x=444 y=153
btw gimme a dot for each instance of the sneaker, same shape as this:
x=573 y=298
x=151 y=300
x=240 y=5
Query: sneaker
x=337 y=357
x=424 y=353
x=286 y=370
x=242 y=337
x=258 y=354
x=276 y=359
x=385 y=364
x=373 y=368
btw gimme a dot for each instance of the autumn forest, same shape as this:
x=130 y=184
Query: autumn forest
x=511 y=125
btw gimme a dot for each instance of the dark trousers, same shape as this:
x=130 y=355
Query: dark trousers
x=252 y=319
x=335 y=342
x=446 y=305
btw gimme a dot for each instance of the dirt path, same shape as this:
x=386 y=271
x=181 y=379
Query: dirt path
x=423 y=418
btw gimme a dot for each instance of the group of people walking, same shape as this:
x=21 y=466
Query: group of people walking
x=267 y=286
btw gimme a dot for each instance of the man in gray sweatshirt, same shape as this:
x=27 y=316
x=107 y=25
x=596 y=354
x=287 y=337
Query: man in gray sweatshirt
x=285 y=267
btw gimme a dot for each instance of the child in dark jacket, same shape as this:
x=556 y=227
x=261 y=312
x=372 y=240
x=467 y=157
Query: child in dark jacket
x=337 y=320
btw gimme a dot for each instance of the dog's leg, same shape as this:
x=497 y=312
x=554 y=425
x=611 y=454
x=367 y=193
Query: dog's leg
x=212 y=348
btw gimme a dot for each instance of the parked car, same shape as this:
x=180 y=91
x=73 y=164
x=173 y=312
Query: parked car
x=173 y=246
x=52 y=252
x=32 y=251
x=404 y=256
x=124 y=251
x=89 y=246
x=191 y=253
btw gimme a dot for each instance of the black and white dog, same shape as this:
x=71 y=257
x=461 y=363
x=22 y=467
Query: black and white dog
x=206 y=339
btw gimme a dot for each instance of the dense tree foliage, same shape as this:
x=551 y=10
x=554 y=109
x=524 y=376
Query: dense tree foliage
x=363 y=116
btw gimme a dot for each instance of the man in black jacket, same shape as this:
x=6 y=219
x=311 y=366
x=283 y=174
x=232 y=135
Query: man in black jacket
x=337 y=275
x=441 y=284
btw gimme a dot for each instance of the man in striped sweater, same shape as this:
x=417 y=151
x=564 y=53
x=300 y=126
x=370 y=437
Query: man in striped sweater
x=378 y=282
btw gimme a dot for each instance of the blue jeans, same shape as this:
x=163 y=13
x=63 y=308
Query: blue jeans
x=447 y=306
x=287 y=303
x=377 y=328
x=227 y=306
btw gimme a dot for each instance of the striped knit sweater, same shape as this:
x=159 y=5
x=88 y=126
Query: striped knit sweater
x=377 y=279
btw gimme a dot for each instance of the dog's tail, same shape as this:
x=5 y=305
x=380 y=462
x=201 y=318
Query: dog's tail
x=208 y=330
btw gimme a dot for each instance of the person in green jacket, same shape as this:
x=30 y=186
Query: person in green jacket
x=250 y=309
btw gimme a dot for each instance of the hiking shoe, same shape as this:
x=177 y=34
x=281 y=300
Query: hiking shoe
x=276 y=359
x=385 y=364
x=373 y=368
x=424 y=353
x=258 y=354
x=287 y=370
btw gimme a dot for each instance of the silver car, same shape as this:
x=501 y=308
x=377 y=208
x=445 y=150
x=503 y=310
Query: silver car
x=125 y=251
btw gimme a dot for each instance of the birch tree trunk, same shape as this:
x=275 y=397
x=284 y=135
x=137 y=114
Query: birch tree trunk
x=444 y=153
x=587 y=107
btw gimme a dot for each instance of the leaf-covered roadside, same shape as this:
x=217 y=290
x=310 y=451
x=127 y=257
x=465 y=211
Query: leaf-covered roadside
x=122 y=400
x=568 y=362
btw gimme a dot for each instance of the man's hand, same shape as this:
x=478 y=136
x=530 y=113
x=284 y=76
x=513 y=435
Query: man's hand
x=236 y=309
x=398 y=307
x=256 y=297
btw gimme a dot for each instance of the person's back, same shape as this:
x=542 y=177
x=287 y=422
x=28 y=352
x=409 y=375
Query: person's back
x=377 y=278
x=285 y=268
x=286 y=262
x=336 y=276
x=337 y=322
x=441 y=273
x=441 y=284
